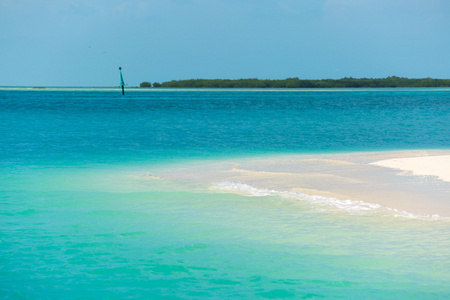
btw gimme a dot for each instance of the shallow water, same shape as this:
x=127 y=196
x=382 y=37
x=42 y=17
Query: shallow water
x=84 y=215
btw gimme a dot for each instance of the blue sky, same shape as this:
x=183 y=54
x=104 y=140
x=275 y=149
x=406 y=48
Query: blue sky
x=83 y=42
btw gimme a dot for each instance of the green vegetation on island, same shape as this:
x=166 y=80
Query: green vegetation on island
x=145 y=84
x=347 y=82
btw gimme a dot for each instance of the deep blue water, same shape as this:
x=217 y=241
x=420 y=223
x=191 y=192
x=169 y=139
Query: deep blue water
x=104 y=127
x=74 y=226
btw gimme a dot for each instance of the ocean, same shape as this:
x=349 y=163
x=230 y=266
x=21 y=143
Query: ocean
x=110 y=196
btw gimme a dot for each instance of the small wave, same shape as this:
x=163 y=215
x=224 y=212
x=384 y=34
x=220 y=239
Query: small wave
x=333 y=204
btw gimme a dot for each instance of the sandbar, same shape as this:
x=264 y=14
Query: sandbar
x=413 y=182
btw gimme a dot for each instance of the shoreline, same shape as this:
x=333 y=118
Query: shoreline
x=194 y=89
x=356 y=182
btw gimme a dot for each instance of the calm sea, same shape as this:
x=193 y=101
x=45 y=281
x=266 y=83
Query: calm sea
x=78 y=220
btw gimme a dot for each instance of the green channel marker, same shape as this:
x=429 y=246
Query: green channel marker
x=122 y=84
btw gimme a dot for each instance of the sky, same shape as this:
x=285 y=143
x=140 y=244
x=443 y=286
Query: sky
x=83 y=42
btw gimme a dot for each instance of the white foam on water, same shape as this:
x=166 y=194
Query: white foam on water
x=332 y=204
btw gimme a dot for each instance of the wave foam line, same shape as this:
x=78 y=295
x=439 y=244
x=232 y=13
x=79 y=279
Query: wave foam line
x=349 y=206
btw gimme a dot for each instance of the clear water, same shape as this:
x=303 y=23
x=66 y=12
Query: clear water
x=78 y=221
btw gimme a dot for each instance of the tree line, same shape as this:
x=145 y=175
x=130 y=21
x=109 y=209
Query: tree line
x=347 y=82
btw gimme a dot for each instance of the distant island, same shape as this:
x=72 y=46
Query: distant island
x=347 y=82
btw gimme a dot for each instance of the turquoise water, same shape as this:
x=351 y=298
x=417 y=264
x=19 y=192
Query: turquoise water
x=78 y=220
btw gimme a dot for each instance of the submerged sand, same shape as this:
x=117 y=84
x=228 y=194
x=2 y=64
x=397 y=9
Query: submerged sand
x=415 y=182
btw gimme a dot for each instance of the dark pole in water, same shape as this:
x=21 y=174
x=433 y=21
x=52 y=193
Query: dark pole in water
x=121 y=81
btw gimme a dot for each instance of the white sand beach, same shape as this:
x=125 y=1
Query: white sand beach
x=415 y=182
x=438 y=166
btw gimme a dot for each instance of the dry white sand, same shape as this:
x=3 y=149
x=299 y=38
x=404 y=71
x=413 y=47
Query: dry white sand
x=423 y=166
